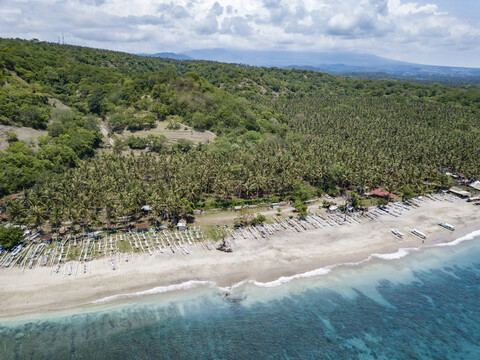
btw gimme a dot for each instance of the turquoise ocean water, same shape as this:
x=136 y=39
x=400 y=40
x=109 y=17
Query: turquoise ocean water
x=414 y=304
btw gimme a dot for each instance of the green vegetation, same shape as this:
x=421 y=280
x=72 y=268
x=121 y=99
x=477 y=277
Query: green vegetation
x=11 y=236
x=259 y=219
x=300 y=207
x=281 y=135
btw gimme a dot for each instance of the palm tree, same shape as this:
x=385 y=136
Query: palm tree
x=15 y=211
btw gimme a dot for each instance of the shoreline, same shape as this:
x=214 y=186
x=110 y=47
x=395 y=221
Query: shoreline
x=265 y=263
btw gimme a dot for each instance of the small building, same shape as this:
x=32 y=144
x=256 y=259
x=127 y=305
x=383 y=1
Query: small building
x=459 y=192
x=182 y=225
x=46 y=239
x=142 y=227
x=475 y=185
x=237 y=208
x=332 y=208
x=122 y=218
x=95 y=235
x=197 y=212
x=380 y=192
x=4 y=217
x=146 y=208
x=9 y=197
x=274 y=205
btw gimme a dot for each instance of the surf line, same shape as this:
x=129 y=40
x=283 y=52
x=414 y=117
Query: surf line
x=400 y=253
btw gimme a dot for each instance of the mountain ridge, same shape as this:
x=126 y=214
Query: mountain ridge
x=336 y=63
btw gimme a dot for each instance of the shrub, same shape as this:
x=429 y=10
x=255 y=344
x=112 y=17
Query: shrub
x=260 y=219
x=11 y=236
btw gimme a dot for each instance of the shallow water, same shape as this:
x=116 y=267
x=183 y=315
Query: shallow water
x=424 y=305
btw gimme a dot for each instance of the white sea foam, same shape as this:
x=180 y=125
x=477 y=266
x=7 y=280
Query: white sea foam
x=467 y=237
x=285 y=279
x=400 y=253
x=159 y=289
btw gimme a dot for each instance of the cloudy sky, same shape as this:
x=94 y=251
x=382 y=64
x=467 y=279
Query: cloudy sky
x=441 y=32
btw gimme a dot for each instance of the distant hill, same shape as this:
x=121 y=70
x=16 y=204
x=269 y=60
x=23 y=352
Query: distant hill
x=338 y=63
x=169 y=55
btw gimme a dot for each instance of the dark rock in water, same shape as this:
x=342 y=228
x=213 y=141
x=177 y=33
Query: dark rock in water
x=235 y=300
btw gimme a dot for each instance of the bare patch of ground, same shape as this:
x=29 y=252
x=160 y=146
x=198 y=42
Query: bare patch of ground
x=185 y=132
x=104 y=129
x=26 y=134
x=57 y=104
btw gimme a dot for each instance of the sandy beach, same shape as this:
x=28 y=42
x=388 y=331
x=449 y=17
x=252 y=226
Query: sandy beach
x=285 y=254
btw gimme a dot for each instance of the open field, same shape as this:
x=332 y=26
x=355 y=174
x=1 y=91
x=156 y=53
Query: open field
x=26 y=134
x=185 y=132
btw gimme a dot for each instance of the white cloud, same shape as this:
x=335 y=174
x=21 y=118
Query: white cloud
x=397 y=28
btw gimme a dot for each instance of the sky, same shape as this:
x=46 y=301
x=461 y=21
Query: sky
x=436 y=32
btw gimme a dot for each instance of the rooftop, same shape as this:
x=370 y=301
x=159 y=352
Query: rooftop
x=381 y=193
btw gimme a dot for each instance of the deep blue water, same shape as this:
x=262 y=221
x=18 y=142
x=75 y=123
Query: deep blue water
x=423 y=306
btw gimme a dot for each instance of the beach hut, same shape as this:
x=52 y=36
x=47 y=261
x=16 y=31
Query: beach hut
x=46 y=239
x=459 y=192
x=142 y=227
x=182 y=225
x=333 y=208
x=380 y=192
x=9 y=197
x=475 y=185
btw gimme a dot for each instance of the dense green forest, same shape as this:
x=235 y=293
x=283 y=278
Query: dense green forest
x=281 y=134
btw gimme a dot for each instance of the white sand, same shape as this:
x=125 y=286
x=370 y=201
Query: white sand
x=285 y=254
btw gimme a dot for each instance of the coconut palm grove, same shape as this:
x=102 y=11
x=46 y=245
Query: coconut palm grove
x=273 y=135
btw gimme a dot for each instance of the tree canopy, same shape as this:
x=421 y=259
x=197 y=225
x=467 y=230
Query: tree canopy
x=281 y=134
x=11 y=236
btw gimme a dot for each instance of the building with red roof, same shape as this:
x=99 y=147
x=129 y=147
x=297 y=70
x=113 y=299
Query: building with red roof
x=142 y=227
x=380 y=192
x=9 y=197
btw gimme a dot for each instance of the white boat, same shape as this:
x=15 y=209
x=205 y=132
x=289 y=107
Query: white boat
x=447 y=226
x=418 y=233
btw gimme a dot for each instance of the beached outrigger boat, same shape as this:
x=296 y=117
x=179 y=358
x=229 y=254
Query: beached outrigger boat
x=447 y=226
x=418 y=233
x=397 y=233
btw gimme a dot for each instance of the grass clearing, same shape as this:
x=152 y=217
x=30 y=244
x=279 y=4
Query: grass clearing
x=185 y=132
x=26 y=134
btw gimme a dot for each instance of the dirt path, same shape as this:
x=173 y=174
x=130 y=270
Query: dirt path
x=104 y=131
